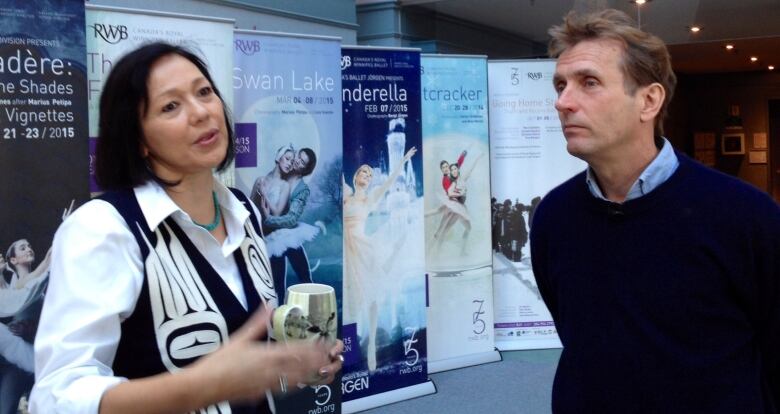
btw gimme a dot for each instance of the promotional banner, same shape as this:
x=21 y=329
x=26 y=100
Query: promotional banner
x=112 y=32
x=384 y=262
x=289 y=162
x=528 y=158
x=43 y=175
x=457 y=211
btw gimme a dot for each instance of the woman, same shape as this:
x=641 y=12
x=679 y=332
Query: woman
x=272 y=191
x=363 y=275
x=143 y=295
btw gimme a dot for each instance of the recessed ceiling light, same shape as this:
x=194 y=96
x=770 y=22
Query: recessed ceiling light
x=771 y=67
x=729 y=47
x=695 y=29
x=640 y=2
x=753 y=58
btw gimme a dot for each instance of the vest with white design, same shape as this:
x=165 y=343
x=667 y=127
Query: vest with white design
x=185 y=309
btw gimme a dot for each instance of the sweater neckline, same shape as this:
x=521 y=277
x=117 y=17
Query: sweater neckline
x=660 y=194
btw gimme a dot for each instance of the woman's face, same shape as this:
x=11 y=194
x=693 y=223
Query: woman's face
x=286 y=161
x=445 y=168
x=454 y=170
x=184 y=125
x=363 y=177
x=23 y=253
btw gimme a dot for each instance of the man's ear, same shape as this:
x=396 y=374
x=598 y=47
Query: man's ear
x=652 y=98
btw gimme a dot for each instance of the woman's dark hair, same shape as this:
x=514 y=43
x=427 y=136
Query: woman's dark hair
x=118 y=163
x=312 y=161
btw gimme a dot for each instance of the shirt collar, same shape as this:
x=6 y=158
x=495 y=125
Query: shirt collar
x=156 y=206
x=660 y=169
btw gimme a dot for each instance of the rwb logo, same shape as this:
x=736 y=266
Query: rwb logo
x=535 y=75
x=247 y=47
x=346 y=62
x=110 y=33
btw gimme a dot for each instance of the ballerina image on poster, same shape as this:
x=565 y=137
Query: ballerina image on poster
x=453 y=200
x=282 y=195
x=22 y=287
x=364 y=271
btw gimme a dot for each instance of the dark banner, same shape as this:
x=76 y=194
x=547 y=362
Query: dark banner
x=384 y=263
x=43 y=166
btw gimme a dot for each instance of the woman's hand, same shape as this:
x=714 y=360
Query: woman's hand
x=328 y=372
x=245 y=367
x=410 y=153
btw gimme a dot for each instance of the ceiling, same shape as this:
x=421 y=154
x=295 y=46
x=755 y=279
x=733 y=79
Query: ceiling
x=753 y=26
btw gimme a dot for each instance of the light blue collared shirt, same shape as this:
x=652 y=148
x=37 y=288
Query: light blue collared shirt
x=662 y=167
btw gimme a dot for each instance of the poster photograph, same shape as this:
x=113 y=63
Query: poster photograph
x=384 y=263
x=287 y=114
x=114 y=31
x=43 y=165
x=528 y=158
x=458 y=257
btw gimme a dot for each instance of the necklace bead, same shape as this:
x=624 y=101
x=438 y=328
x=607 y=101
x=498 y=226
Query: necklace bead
x=217 y=215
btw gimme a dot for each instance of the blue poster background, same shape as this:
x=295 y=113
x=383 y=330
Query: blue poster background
x=43 y=160
x=287 y=95
x=384 y=282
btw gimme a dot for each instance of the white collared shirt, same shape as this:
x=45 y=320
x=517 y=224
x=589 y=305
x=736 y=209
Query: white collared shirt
x=95 y=280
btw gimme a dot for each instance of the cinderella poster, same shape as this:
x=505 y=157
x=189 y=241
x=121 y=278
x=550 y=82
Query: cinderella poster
x=384 y=263
x=43 y=165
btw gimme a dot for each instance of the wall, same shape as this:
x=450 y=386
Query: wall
x=314 y=17
x=390 y=24
x=701 y=104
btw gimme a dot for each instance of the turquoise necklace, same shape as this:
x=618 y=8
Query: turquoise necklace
x=217 y=216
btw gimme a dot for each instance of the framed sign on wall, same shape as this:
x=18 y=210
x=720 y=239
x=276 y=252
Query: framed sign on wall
x=732 y=144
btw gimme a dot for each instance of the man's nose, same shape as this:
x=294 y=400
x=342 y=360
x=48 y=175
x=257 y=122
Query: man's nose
x=565 y=101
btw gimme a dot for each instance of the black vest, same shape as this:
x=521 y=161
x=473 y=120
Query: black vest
x=185 y=310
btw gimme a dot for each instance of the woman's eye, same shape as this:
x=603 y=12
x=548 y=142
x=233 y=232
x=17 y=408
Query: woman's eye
x=170 y=107
x=206 y=90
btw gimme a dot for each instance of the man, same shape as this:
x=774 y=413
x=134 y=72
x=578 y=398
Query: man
x=303 y=165
x=662 y=276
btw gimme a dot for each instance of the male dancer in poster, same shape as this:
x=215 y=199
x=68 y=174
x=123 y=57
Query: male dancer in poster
x=662 y=275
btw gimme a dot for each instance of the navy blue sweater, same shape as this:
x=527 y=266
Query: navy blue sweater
x=669 y=303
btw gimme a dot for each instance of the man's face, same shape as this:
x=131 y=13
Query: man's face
x=600 y=120
x=445 y=168
x=301 y=162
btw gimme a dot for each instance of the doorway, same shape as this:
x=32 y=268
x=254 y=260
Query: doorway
x=774 y=148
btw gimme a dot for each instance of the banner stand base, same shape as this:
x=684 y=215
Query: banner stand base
x=529 y=345
x=462 y=361
x=389 y=397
